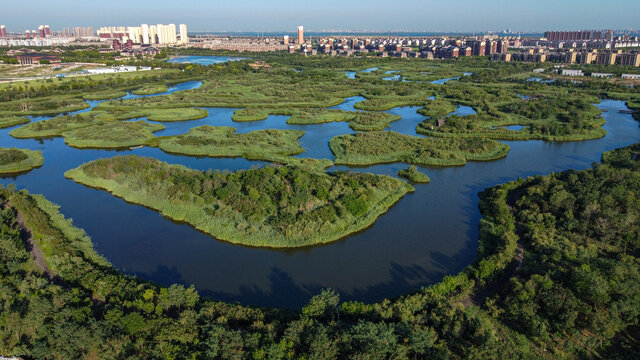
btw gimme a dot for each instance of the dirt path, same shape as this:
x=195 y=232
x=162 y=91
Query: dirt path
x=478 y=297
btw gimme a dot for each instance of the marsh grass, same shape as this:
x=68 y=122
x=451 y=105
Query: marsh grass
x=269 y=207
x=13 y=161
x=378 y=147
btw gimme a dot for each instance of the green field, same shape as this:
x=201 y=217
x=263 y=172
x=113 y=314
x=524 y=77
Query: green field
x=14 y=161
x=378 y=147
x=284 y=207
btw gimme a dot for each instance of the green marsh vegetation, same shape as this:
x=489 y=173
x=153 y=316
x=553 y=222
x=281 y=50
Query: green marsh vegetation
x=573 y=296
x=358 y=120
x=287 y=206
x=6 y=122
x=413 y=174
x=91 y=130
x=542 y=118
x=113 y=134
x=104 y=95
x=13 y=161
x=222 y=141
x=151 y=89
x=387 y=146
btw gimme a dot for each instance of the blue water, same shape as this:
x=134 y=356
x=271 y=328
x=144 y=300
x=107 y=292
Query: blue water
x=203 y=60
x=428 y=234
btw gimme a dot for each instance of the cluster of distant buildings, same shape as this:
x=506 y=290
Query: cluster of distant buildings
x=573 y=56
x=160 y=34
x=573 y=72
x=145 y=34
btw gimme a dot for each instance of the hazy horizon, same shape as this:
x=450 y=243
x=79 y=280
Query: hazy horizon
x=327 y=16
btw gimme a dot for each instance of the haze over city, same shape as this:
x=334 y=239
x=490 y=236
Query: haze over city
x=331 y=15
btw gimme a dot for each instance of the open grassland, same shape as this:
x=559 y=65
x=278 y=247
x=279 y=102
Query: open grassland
x=13 y=161
x=269 y=207
x=151 y=89
x=224 y=142
x=414 y=175
x=387 y=146
x=112 y=134
x=6 y=122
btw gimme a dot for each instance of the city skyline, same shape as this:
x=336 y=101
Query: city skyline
x=331 y=15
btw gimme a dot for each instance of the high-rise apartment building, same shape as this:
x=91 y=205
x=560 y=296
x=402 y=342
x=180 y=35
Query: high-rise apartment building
x=145 y=34
x=47 y=30
x=300 y=34
x=3 y=31
x=285 y=40
x=630 y=59
x=184 y=36
x=41 y=31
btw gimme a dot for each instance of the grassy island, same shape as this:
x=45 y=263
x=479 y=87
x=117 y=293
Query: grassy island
x=358 y=120
x=270 y=207
x=151 y=89
x=105 y=95
x=413 y=174
x=437 y=108
x=387 y=146
x=183 y=114
x=57 y=126
x=13 y=161
x=538 y=118
x=13 y=121
x=112 y=134
x=223 y=141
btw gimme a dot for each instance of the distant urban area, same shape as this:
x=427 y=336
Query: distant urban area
x=601 y=47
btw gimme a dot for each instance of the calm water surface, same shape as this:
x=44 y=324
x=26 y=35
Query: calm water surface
x=428 y=234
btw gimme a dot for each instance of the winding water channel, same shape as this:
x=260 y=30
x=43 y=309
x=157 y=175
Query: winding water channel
x=427 y=235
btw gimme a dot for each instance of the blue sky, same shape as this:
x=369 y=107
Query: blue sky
x=285 y=15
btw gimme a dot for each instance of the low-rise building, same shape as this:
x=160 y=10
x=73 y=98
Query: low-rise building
x=602 y=75
x=569 y=72
x=631 y=76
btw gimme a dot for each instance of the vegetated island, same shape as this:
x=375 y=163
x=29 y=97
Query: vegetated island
x=539 y=117
x=96 y=130
x=413 y=174
x=280 y=207
x=105 y=95
x=358 y=120
x=151 y=89
x=377 y=147
x=13 y=121
x=223 y=141
x=15 y=161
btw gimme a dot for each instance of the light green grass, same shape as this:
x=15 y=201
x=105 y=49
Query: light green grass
x=105 y=95
x=13 y=121
x=151 y=89
x=14 y=161
x=222 y=141
x=112 y=134
x=379 y=147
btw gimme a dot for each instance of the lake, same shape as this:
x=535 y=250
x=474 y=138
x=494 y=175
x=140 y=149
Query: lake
x=428 y=234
